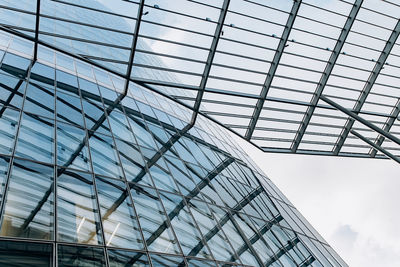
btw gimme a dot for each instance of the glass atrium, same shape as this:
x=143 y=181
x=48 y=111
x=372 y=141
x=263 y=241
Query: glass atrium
x=115 y=124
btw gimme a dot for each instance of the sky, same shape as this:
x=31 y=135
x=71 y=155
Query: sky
x=352 y=203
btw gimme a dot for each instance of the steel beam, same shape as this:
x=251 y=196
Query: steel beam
x=327 y=72
x=35 y=48
x=210 y=58
x=368 y=86
x=388 y=125
x=360 y=119
x=272 y=69
x=133 y=47
x=375 y=146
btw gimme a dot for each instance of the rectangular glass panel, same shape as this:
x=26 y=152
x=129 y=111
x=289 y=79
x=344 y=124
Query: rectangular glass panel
x=36 y=139
x=156 y=229
x=22 y=254
x=119 y=219
x=29 y=202
x=122 y=258
x=78 y=219
x=70 y=256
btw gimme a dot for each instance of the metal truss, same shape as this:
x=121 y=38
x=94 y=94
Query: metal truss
x=225 y=94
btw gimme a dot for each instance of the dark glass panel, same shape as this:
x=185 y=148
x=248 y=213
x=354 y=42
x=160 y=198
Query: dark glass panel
x=74 y=256
x=22 y=254
x=123 y=258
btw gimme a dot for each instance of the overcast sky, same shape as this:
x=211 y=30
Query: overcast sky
x=352 y=203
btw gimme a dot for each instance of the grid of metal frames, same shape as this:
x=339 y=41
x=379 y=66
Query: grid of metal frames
x=289 y=77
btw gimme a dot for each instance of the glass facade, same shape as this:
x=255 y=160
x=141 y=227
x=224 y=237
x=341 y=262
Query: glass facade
x=90 y=176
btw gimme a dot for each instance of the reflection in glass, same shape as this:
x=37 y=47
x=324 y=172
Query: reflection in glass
x=72 y=148
x=22 y=254
x=29 y=202
x=123 y=258
x=166 y=261
x=74 y=256
x=184 y=226
x=104 y=156
x=152 y=217
x=36 y=137
x=8 y=128
x=119 y=220
x=77 y=212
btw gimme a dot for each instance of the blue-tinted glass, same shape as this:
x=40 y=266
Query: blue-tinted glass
x=36 y=138
x=153 y=219
x=119 y=220
x=72 y=148
x=166 y=261
x=29 y=203
x=77 y=213
x=8 y=128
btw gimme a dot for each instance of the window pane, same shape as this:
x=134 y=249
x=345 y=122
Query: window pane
x=69 y=256
x=152 y=217
x=122 y=258
x=22 y=254
x=78 y=219
x=29 y=203
x=72 y=148
x=8 y=128
x=119 y=220
x=36 y=137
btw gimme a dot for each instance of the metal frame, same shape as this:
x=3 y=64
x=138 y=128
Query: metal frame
x=268 y=138
x=272 y=69
x=327 y=72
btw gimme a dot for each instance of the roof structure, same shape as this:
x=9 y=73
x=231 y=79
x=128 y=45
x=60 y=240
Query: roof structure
x=288 y=76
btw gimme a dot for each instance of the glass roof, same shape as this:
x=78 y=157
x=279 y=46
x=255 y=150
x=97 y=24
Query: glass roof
x=306 y=77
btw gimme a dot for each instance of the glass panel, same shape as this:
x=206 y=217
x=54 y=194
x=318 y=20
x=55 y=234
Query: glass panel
x=156 y=229
x=213 y=235
x=184 y=226
x=166 y=261
x=22 y=254
x=119 y=219
x=39 y=100
x=77 y=212
x=122 y=258
x=29 y=204
x=104 y=156
x=72 y=148
x=8 y=127
x=69 y=109
x=199 y=263
x=69 y=256
x=35 y=140
x=4 y=161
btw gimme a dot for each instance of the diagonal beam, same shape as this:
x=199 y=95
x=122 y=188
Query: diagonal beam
x=272 y=69
x=225 y=219
x=265 y=228
x=388 y=125
x=368 y=86
x=291 y=244
x=210 y=58
x=375 y=146
x=360 y=119
x=134 y=43
x=35 y=49
x=325 y=75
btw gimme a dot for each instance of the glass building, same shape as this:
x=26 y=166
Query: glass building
x=115 y=152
